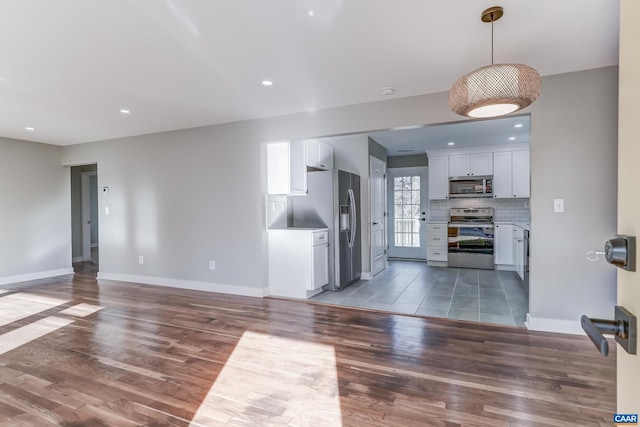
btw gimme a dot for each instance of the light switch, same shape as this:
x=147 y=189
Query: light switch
x=106 y=210
x=558 y=205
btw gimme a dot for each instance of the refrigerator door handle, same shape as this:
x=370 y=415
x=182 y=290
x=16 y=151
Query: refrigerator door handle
x=352 y=226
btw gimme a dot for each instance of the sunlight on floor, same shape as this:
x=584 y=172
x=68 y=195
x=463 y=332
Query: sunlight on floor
x=271 y=380
x=18 y=306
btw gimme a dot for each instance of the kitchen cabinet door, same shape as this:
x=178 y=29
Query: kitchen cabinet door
x=518 y=250
x=481 y=164
x=459 y=165
x=521 y=178
x=320 y=266
x=503 y=244
x=438 y=178
x=319 y=154
x=286 y=168
x=471 y=164
x=502 y=181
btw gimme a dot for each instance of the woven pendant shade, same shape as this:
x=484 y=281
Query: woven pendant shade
x=495 y=90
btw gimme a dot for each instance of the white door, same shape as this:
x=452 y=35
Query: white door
x=377 y=171
x=628 y=201
x=407 y=190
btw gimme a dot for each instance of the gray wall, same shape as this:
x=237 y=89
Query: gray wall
x=34 y=211
x=76 y=208
x=181 y=198
x=377 y=150
x=574 y=157
x=413 y=160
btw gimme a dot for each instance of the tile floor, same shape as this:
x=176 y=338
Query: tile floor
x=455 y=293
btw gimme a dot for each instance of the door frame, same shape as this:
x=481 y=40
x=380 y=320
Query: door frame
x=412 y=170
x=85 y=191
x=385 y=214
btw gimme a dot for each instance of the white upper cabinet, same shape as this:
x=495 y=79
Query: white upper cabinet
x=319 y=154
x=471 y=164
x=520 y=174
x=502 y=186
x=511 y=174
x=438 y=177
x=286 y=168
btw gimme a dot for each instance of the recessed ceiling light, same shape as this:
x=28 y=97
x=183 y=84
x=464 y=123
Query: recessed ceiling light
x=30 y=129
x=512 y=138
x=267 y=82
x=451 y=143
x=389 y=90
x=519 y=125
x=125 y=111
x=311 y=13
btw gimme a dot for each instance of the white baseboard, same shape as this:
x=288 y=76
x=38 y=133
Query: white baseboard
x=366 y=275
x=186 y=284
x=35 y=276
x=554 y=325
x=505 y=267
x=94 y=245
x=77 y=259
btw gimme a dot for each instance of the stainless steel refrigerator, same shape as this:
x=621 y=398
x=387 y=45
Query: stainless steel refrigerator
x=333 y=201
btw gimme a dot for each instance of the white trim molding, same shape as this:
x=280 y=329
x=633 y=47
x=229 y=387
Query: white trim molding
x=247 y=291
x=77 y=259
x=366 y=275
x=35 y=276
x=554 y=325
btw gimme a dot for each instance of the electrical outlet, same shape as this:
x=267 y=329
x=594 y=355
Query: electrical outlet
x=212 y=265
x=558 y=205
x=140 y=259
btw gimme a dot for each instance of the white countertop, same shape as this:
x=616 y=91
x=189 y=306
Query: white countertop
x=523 y=225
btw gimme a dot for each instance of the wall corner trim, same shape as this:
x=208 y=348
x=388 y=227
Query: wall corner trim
x=35 y=276
x=366 y=275
x=554 y=325
x=247 y=291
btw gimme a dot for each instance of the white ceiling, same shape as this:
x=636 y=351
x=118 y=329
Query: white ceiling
x=471 y=133
x=68 y=66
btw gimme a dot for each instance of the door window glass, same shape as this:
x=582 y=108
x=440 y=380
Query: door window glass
x=406 y=197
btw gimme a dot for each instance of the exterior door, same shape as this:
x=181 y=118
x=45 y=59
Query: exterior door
x=628 y=201
x=407 y=195
x=377 y=171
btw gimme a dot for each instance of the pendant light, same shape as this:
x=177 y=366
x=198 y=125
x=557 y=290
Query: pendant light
x=496 y=89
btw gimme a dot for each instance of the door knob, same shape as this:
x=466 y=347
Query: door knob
x=423 y=219
x=624 y=328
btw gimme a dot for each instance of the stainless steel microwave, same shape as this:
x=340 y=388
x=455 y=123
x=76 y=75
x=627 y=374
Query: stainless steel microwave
x=471 y=186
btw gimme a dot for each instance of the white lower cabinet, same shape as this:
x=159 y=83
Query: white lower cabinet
x=298 y=261
x=519 y=250
x=503 y=244
x=437 y=246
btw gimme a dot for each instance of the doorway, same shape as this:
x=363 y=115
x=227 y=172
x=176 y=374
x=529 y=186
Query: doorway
x=84 y=214
x=407 y=196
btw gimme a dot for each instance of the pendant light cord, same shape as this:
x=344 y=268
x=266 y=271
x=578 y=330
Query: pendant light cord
x=492 y=38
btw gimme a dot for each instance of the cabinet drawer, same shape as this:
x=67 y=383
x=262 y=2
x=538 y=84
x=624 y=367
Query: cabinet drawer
x=320 y=238
x=436 y=254
x=437 y=240
x=437 y=227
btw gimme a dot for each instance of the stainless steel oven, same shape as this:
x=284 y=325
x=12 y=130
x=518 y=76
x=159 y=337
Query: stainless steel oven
x=471 y=238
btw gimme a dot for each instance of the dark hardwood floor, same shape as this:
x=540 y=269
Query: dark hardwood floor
x=77 y=353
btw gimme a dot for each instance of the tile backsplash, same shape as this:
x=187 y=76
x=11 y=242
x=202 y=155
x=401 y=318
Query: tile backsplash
x=504 y=210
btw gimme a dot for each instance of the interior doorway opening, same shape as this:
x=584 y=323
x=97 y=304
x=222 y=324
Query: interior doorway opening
x=84 y=214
